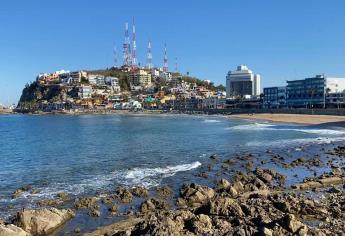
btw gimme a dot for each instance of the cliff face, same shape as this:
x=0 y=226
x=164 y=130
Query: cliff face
x=34 y=92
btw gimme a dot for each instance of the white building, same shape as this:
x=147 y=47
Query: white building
x=242 y=82
x=85 y=92
x=114 y=83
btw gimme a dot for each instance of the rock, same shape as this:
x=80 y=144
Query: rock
x=94 y=212
x=43 y=221
x=202 y=224
x=290 y=223
x=195 y=195
x=164 y=191
x=113 y=208
x=2 y=222
x=267 y=232
x=12 y=230
x=153 y=204
x=86 y=202
x=223 y=185
x=263 y=175
x=124 y=195
x=334 y=190
x=224 y=206
x=222 y=226
x=21 y=190
x=140 y=192
x=77 y=230
x=63 y=196
x=49 y=202
x=203 y=175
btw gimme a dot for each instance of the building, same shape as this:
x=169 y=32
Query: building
x=85 y=92
x=242 y=82
x=312 y=92
x=76 y=76
x=113 y=82
x=274 y=97
x=97 y=80
x=139 y=78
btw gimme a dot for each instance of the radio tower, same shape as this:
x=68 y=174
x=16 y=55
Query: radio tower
x=126 y=48
x=176 y=65
x=134 y=50
x=149 y=57
x=165 y=64
x=115 y=56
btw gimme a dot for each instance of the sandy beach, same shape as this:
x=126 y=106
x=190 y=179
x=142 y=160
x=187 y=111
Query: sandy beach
x=293 y=118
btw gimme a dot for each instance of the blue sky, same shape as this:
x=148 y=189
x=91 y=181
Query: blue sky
x=281 y=40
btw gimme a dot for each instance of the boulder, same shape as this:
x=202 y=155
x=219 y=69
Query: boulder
x=225 y=206
x=43 y=221
x=85 y=202
x=223 y=185
x=140 y=192
x=195 y=195
x=124 y=195
x=12 y=230
x=153 y=204
x=290 y=223
x=164 y=191
x=202 y=224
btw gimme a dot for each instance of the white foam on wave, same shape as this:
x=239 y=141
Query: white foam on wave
x=210 y=121
x=272 y=127
x=147 y=177
x=287 y=142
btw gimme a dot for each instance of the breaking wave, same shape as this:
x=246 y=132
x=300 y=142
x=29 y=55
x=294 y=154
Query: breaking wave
x=272 y=127
x=210 y=121
x=147 y=177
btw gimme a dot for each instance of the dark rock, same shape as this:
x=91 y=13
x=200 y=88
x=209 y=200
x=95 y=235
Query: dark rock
x=124 y=195
x=85 y=202
x=164 y=191
x=140 y=192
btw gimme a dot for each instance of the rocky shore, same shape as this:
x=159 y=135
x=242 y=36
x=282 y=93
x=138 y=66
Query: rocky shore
x=244 y=198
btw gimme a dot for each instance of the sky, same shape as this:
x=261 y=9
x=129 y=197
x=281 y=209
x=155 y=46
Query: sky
x=281 y=40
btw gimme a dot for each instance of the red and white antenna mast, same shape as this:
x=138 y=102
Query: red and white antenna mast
x=134 y=50
x=165 y=62
x=149 y=64
x=126 y=48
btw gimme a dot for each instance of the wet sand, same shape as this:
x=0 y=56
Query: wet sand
x=294 y=118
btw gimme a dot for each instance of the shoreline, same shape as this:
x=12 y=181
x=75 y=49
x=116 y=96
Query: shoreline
x=249 y=180
x=286 y=118
x=293 y=118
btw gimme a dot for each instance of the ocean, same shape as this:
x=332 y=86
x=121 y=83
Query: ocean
x=84 y=154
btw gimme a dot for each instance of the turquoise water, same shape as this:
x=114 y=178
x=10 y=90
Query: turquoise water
x=83 y=154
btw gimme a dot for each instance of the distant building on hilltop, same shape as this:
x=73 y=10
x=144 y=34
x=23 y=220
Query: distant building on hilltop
x=242 y=82
x=139 y=78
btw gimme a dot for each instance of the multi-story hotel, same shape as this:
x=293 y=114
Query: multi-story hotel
x=312 y=92
x=242 y=82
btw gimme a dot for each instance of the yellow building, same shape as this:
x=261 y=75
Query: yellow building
x=139 y=78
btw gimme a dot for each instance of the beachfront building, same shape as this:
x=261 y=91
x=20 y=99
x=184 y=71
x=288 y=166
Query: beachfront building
x=242 y=82
x=274 y=97
x=139 y=78
x=312 y=92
